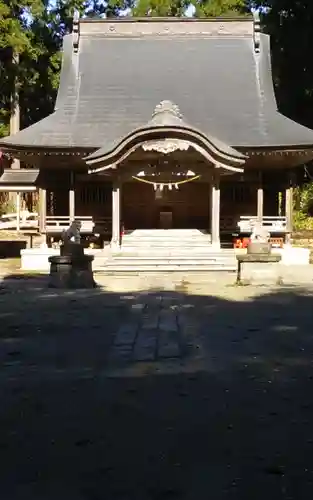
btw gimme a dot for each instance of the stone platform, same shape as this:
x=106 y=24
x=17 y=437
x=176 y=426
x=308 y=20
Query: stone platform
x=256 y=269
x=162 y=251
x=149 y=251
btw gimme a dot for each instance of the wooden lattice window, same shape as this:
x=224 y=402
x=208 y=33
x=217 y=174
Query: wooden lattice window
x=90 y=195
x=237 y=193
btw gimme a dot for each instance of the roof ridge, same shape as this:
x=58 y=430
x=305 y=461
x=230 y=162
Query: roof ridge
x=131 y=19
x=240 y=26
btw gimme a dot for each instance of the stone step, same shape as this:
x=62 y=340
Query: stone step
x=173 y=252
x=166 y=232
x=168 y=241
x=161 y=240
x=177 y=277
x=179 y=259
x=167 y=261
x=175 y=247
x=171 y=235
x=166 y=268
x=166 y=236
x=205 y=247
x=203 y=237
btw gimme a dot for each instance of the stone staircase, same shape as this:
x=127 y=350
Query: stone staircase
x=166 y=251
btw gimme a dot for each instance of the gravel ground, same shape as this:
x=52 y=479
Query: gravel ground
x=203 y=391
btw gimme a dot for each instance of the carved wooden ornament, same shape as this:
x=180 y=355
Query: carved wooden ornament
x=166 y=146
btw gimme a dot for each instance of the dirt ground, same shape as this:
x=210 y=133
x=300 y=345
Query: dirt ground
x=203 y=393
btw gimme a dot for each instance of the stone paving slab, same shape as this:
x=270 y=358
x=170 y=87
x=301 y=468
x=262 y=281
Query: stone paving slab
x=126 y=334
x=153 y=335
x=169 y=344
x=168 y=320
x=145 y=347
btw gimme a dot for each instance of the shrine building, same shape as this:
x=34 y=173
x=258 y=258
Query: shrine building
x=162 y=124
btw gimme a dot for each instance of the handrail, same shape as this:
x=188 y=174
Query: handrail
x=53 y=223
x=24 y=214
x=265 y=217
x=23 y=220
x=77 y=217
x=67 y=217
x=56 y=224
x=274 y=224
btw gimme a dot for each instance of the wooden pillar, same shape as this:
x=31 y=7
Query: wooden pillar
x=282 y=203
x=260 y=199
x=116 y=214
x=210 y=191
x=72 y=198
x=15 y=108
x=289 y=207
x=18 y=211
x=215 y=212
x=42 y=210
x=279 y=203
x=14 y=129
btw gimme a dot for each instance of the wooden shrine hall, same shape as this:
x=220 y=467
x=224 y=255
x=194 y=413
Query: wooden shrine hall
x=164 y=124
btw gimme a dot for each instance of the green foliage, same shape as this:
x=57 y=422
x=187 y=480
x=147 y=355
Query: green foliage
x=33 y=30
x=303 y=207
x=176 y=8
x=303 y=198
x=19 y=52
x=7 y=206
x=216 y=8
x=301 y=222
x=161 y=8
x=4 y=122
x=114 y=7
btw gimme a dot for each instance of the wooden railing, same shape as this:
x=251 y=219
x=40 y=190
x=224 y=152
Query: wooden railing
x=57 y=224
x=24 y=220
x=273 y=224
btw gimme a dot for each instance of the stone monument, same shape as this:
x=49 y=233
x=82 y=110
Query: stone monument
x=259 y=265
x=72 y=268
x=259 y=240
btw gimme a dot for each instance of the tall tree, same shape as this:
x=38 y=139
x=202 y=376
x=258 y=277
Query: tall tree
x=160 y=8
x=215 y=8
x=34 y=30
x=14 y=42
x=289 y=22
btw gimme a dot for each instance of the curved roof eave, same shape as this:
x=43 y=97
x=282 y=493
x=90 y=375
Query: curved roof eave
x=213 y=150
x=167 y=123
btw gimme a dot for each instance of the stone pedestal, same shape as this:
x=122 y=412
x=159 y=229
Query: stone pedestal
x=258 y=248
x=258 y=269
x=72 y=269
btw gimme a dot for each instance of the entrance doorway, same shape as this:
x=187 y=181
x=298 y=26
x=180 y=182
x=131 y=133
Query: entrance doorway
x=165 y=218
x=185 y=208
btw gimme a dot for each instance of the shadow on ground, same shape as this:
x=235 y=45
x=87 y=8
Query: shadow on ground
x=11 y=249
x=232 y=418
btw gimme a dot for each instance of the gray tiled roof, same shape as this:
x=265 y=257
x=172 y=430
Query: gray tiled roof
x=167 y=120
x=111 y=87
